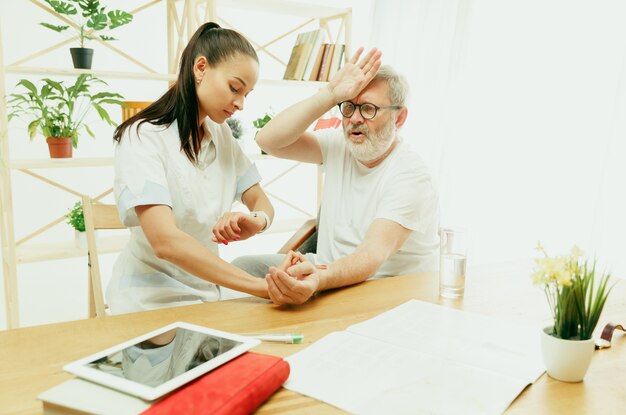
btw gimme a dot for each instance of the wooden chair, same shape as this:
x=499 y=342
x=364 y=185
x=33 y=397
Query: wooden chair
x=97 y=216
x=304 y=240
x=132 y=108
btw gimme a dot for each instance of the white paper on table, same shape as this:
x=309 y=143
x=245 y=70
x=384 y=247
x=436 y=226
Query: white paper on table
x=509 y=348
x=372 y=369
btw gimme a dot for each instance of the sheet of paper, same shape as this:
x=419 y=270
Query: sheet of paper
x=421 y=358
x=363 y=375
x=509 y=348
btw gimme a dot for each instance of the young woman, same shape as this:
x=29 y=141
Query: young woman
x=177 y=172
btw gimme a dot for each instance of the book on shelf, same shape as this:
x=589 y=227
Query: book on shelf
x=292 y=65
x=237 y=387
x=315 y=69
x=301 y=60
x=316 y=42
x=323 y=63
x=337 y=60
x=326 y=64
x=323 y=123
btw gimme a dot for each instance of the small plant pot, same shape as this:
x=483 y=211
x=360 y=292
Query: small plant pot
x=82 y=57
x=566 y=360
x=59 y=148
x=81 y=239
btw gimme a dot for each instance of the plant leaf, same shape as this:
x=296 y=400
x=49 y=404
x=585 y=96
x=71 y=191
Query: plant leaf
x=58 y=28
x=97 y=21
x=119 y=18
x=32 y=128
x=62 y=7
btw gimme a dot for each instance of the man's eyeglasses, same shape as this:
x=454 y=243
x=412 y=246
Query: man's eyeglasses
x=367 y=110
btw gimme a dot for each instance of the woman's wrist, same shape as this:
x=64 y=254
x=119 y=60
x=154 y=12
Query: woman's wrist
x=264 y=217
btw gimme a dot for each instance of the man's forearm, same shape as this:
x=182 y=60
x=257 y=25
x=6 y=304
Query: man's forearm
x=352 y=269
x=285 y=128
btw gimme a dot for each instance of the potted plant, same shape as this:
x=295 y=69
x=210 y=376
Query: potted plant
x=58 y=111
x=235 y=127
x=93 y=18
x=576 y=299
x=260 y=123
x=76 y=219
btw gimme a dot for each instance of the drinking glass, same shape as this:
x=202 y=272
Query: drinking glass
x=452 y=262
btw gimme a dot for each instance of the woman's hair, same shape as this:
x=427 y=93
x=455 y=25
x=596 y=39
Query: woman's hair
x=180 y=102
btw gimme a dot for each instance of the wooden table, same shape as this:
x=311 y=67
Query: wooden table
x=31 y=359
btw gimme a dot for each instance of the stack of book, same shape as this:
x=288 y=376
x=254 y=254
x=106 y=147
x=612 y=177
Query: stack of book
x=313 y=60
x=235 y=388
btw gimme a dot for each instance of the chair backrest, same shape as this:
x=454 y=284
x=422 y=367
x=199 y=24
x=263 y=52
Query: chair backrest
x=132 y=108
x=304 y=240
x=97 y=216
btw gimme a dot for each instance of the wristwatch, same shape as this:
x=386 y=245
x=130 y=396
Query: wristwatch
x=261 y=214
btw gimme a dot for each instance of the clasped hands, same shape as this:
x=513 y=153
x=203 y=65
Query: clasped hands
x=294 y=280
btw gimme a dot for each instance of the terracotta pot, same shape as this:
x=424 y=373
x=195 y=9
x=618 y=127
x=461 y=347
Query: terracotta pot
x=566 y=360
x=60 y=148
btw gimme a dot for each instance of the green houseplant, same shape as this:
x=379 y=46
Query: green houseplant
x=576 y=293
x=235 y=127
x=76 y=219
x=88 y=17
x=260 y=123
x=58 y=111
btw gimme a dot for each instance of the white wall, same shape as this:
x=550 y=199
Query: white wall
x=56 y=290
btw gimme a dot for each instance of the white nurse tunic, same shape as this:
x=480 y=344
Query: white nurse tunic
x=151 y=168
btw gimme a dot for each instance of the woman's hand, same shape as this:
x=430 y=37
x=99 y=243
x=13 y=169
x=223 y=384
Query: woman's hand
x=355 y=75
x=236 y=226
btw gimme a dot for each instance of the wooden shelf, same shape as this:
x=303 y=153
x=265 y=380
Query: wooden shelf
x=67 y=249
x=288 y=7
x=61 y=163
x=150 y=76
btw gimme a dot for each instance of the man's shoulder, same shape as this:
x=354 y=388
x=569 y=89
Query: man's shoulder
x=406 y=159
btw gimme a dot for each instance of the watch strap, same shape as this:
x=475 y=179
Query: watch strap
x=261 y=214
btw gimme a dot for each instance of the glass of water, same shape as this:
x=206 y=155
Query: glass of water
x=452 y=262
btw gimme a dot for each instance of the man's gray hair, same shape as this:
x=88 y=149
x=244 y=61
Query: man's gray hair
x=398 y=86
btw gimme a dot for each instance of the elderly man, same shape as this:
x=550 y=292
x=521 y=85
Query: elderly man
x=379 y=212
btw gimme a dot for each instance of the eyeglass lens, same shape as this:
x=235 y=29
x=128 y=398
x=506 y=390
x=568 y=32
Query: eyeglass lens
x=367 y=110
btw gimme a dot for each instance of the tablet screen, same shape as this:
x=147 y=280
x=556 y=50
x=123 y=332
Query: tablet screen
x=154 y=364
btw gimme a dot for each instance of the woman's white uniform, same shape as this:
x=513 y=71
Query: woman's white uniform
x=151 y=169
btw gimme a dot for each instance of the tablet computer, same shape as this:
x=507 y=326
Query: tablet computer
x=158 y=362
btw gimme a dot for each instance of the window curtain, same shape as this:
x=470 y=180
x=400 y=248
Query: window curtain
x=519 y=108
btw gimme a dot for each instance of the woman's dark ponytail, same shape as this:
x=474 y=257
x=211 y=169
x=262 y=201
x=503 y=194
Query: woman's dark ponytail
x=180 y=102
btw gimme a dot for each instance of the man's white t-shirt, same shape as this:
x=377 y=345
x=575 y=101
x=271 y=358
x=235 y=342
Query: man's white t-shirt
x=399 y=189
x=151 y=169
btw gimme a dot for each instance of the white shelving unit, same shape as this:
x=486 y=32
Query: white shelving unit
x=180 y=26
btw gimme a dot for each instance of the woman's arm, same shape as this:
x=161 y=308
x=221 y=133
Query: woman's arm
x=255 y=199
x=239 y=226
x=179 y=248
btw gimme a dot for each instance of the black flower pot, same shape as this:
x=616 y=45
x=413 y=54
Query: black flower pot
x=82 y=57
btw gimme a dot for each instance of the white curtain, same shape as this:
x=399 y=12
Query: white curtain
x=519 y=107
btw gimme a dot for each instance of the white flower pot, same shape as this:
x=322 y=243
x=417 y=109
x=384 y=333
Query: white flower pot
x=566 y=360
x=81 y=239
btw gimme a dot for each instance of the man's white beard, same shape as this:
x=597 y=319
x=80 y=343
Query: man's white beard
x=375 y=144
